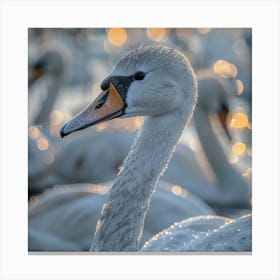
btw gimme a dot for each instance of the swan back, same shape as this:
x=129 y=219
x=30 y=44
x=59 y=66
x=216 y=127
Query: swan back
x=204 y=234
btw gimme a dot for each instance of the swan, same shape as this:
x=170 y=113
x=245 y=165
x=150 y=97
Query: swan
x=59 y=62
x=53 y=66
x=229 y=190
x=156 y=82
x=96 y=163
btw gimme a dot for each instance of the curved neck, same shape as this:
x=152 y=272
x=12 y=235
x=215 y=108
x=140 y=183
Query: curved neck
x=230 y=183
x=53 y=87
x=122 y=219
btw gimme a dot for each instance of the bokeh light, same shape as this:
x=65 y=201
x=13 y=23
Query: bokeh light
x=204 y=30
x=177 y=190
x=56 y=117
x=34 y=132
x=156 y=34
x=238 y=148
x=239 y=87
x=239 y=120
x=117 y=36
x=42 y=144
x=225 y=69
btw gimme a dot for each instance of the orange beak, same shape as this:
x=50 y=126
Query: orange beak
x=108 y=105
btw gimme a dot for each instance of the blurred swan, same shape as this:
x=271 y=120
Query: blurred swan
x=64 y=217
x=227 y=189
x=231 y=190
x=159 y=83
x=59 y=61
x=91 y=158
x=55 y=61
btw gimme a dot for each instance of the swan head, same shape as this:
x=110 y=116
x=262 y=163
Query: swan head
x=214 y=97
x=50 y=63
x=149 y=81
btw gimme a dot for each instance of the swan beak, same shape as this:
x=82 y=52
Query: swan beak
x=35 y=74
x=223 y=114
x=108 y=105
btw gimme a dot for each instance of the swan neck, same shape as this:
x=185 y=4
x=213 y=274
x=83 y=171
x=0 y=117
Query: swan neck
x=225 y=172
x=121 y=224
x=46 y=108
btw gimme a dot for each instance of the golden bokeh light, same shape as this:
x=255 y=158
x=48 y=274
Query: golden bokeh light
x=225 y=69
x=204 y=30
x=239 y=120
x=177 y=190
x=156 y=34
x=56 y=117
x=49 y=158
x=55 y=129
x=34 y=132
x=42 y=144
x=239 y=87
x=117 y=36
x=238 y=148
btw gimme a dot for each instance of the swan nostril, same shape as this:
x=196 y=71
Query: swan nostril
x=102 y=101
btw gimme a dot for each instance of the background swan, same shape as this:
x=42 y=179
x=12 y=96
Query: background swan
x=65 y=217
x=157 y=82
x=91 y=158
x=228 y=189
x=55 y=61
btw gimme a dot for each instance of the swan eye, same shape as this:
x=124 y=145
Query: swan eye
x=139 y=76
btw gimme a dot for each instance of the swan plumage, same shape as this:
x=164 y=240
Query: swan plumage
x=204 y=234
x=64 y=217
x=156 y=82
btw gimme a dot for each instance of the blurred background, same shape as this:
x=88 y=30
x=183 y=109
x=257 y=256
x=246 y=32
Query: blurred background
x=65 y=69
